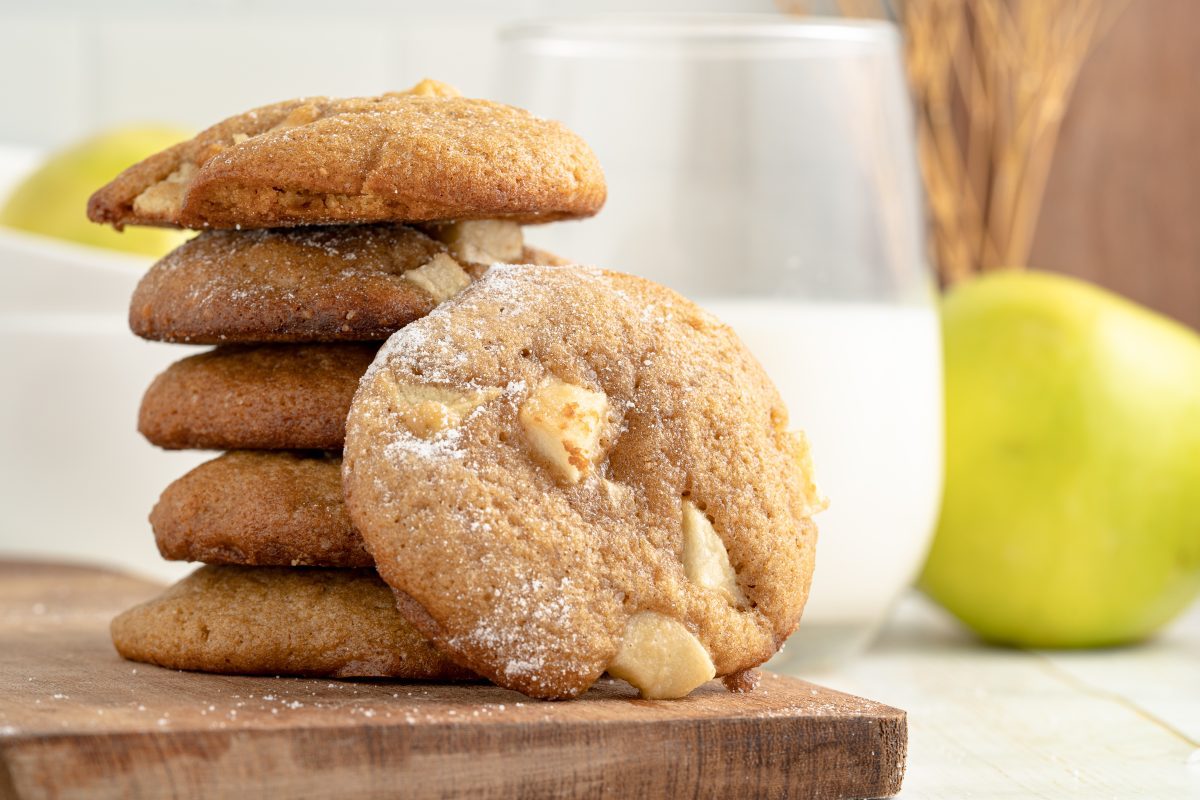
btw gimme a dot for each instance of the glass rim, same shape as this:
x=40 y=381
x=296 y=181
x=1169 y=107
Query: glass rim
x=634 y=29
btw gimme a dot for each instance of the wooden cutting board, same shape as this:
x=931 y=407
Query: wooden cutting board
x=78 y=721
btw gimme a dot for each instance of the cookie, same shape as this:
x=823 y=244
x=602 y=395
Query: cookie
x=567 y=471
x=265 y=397
x=544 y=258
x=318 y=284
x=279 y=621
x=260 y=508
x=298 y=285
x=425 y=154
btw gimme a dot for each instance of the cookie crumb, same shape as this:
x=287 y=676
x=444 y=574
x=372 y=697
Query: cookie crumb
x=742 y=682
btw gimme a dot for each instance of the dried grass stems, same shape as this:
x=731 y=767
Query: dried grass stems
x=991 y=80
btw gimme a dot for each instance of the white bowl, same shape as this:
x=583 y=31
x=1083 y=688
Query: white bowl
x=77 y=480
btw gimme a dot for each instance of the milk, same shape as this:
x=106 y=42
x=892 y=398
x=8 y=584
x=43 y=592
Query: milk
x=864 y=381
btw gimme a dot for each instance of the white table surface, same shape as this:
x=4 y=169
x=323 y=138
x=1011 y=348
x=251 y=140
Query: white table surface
x=988 y=722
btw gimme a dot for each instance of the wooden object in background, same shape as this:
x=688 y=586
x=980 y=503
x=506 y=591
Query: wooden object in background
x=77 y=721
x=1123 y=199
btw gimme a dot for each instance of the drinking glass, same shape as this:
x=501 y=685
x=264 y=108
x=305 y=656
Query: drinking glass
x=765 y=166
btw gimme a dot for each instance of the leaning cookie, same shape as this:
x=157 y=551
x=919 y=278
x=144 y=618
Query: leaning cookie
x=318 y=284
x=260 y=508
x=278 y=621
x=566 y=471
x=266 y=397
x=425 y=154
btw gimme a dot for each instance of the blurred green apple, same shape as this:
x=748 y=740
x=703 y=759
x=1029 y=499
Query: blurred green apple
x=1071 y=514
x=53 y=199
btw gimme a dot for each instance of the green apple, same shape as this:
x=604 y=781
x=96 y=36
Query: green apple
x=53 y=199
x=1071 y=514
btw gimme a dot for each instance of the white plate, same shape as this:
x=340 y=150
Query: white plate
x=76 y=479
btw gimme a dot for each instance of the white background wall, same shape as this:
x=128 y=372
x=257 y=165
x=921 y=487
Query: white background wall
x=71 y=66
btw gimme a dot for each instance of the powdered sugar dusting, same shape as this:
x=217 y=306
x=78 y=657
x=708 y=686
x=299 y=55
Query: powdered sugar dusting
x=543 y=609
x=529 y=577
x=445 y=444
x=306 y=282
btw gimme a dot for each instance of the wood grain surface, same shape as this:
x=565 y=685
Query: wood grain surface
x=77 y=721
x=1124 y=189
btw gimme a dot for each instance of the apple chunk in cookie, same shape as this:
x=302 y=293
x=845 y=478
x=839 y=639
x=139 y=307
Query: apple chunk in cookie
x=563 y=423
x=482 y=241
x=567 y=471
x=704 y=557
x=661 y=657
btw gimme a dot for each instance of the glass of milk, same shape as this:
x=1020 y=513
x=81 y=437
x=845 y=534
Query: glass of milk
x=766 y=167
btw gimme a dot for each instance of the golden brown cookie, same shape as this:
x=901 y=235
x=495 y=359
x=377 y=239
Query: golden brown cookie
x=265 y=397
x=317 y=284
x=280 y=621
x=260 y=508
x=400 y=157
x=544 y=258
x=565 y=471
x=343 y=283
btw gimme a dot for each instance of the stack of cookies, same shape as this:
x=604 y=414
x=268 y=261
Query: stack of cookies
x=302 y=269
x=550 y=472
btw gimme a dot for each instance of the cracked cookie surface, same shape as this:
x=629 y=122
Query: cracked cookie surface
x=426 y=154
x=526 y=465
